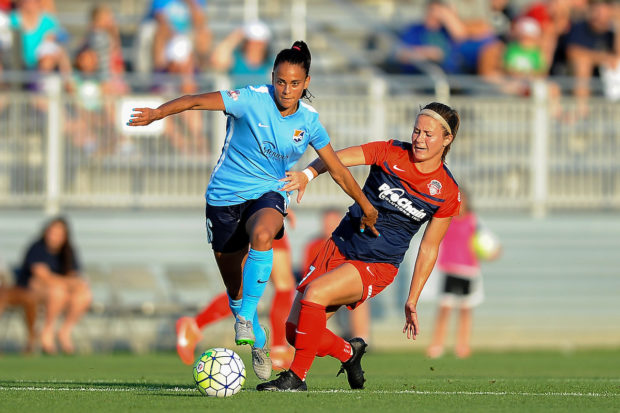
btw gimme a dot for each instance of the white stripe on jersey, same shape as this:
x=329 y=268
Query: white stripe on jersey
x=230 y=126
x=310 y=108
x=260 y=89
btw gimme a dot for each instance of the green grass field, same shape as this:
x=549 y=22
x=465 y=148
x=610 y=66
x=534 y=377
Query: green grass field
x=403 y=382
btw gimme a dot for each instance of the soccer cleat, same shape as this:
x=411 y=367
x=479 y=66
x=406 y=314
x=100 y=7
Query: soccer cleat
x=261 y=362
x=243 y=331
x=353 y=366
x=188 y=335
x=286 y=381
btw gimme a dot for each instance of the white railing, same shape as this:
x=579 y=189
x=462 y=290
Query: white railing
x=57 y=152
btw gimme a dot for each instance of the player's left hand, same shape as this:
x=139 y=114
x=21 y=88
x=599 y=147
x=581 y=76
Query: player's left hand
x=295 y=181
x=412 y=328
x=144 y=116
x=368 y=221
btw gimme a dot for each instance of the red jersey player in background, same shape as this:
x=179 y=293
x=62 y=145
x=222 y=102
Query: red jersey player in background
x=188 y=328
x=409 y=185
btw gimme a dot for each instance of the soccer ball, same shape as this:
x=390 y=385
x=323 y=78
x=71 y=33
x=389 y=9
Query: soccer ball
x=219 y=372
x=485 y=244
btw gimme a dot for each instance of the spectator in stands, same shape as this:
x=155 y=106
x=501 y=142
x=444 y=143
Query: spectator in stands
x=523 y=57
x=481 y=51
x=51 y=270
x=359 y=318
x=182 y=37
x=39 y=31
x=244 y=54
x=554 y=18
x=89 y=118
x=15 y=295
x=6 y=39
x=502 y=16
x=591 y=45
x=181 y=41
x=103 y=39
x=433 y=40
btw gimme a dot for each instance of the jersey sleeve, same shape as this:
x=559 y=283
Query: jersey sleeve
x=451 y=206
x=237 y=101
x=375 y=153
x=319 y=138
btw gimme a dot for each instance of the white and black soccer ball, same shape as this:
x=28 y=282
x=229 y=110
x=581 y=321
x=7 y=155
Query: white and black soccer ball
x=219 y=372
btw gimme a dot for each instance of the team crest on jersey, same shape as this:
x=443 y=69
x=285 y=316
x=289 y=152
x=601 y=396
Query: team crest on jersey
x=434 y=187
x=233 y=94
x=298 y=136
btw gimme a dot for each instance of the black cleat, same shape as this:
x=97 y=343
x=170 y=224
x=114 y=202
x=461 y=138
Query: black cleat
x=353 y=366
x=286 y=381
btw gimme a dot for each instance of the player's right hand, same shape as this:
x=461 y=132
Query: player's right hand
x=412 y=327
x=369 y=219
x=295 y=181
x=144 y=116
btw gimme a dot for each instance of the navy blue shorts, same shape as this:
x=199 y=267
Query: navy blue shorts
x=226 y=224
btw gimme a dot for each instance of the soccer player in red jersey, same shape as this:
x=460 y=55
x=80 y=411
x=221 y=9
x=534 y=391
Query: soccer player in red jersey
x=409 y=185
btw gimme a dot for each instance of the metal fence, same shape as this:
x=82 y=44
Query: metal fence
x=59 y=150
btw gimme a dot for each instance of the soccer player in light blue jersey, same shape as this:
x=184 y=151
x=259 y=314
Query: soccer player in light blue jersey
x=268 y=130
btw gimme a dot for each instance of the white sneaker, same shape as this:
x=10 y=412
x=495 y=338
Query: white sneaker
x=244 y=333
x=261 y=362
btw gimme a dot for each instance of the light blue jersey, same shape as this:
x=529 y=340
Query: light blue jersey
x=260 y=146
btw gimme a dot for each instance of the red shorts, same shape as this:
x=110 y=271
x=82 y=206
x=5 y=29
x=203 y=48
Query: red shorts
x=375 y=276
x=281 y=244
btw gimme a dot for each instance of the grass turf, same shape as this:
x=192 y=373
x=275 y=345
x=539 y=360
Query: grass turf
x=514 y=381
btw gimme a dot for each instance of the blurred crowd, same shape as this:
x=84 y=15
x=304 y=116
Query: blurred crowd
x=510 y=47
x=506 y=46
x=173 y=41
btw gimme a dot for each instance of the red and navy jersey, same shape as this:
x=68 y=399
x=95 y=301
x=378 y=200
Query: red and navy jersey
x=405 y=199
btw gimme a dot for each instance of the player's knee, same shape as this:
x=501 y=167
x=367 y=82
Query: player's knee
x=290 y=333
x=262 y=239
x=315 y=294
x=57 y=293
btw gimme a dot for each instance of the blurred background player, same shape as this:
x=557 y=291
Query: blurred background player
x=462 y=280
x=188 y=328
x=359 y=318
x=51 y=270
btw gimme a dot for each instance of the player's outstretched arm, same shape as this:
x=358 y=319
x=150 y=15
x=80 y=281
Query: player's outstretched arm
x=204 y=101
x=342 y=176
x=424 y=263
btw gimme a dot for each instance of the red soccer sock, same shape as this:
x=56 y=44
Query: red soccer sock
x=214 y=311
x=330 y=345
x=335 y=346
x=290 y=333
x=280 y=307
x=310 y=328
